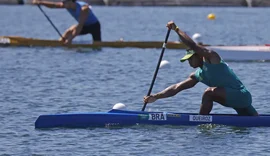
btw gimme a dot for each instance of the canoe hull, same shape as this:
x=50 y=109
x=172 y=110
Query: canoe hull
x=129 y=118
x=29 y=42
x=233 y=53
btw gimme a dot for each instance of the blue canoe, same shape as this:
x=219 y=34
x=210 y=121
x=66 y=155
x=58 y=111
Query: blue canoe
x=128 y=118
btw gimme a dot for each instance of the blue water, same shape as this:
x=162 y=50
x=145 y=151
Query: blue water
x=37 y=81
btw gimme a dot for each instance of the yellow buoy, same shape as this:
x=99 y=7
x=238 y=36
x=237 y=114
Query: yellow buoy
x=211 y=16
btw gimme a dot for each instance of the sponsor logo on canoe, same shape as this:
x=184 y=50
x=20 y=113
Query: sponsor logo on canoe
x=200 y=118
x=173 y=115
x=143 y=116
x=4 y=40
x=157 y=116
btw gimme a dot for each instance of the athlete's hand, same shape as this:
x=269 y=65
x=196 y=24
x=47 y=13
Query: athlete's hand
x=149 y=99
x=171 y=25
x=67 y=41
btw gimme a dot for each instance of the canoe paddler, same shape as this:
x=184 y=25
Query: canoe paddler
x=83 y=13
x=224 y=87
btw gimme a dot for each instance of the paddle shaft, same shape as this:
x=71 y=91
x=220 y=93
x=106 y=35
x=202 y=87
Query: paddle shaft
x=50 y=21
x=157 y=68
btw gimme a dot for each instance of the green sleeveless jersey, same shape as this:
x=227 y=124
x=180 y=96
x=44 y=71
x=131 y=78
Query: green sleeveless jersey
x=218 y=75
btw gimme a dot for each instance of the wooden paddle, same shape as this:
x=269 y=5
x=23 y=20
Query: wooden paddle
x=50 y=21
x=157 y=68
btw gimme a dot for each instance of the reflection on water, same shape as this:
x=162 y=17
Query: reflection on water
x=221 y=129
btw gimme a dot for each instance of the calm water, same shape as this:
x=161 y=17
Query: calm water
x=37 y=81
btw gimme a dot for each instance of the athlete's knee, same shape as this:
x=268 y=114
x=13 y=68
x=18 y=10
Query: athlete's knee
x=73 y=27
x=70 y=30
x=209 y=92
